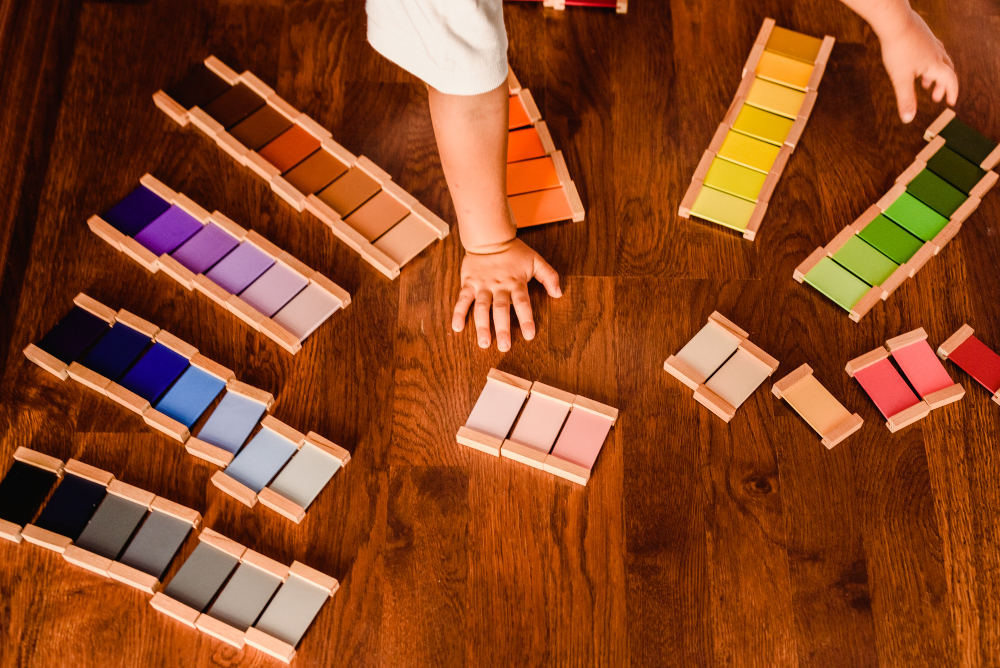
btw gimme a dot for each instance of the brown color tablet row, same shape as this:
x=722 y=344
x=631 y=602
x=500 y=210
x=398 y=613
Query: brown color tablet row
x=304 y=165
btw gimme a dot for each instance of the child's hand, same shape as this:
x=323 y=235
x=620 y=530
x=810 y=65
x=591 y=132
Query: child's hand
x=501 y=280
x=910 y=50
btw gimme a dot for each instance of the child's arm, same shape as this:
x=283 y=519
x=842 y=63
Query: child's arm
x=471 y=133
x=909 y=50
x=459 y=48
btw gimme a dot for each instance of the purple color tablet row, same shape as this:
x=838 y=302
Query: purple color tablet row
x=239 y=268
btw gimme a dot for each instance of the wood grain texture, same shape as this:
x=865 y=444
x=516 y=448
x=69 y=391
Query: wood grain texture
x=695 y=543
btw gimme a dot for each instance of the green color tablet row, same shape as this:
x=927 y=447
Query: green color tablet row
x=918 y=215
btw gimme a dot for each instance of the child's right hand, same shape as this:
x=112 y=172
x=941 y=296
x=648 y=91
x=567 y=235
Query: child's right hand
x=501 y=280
x=910 y=50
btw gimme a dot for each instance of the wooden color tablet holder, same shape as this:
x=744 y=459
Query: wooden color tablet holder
x=567 y=469
x=150 y=584
x=527 y=455
x=569 y=188
x=139 y=579
x=9 y=530
x=837 y=434
x=683 y=372
x=798 y=126
x=722 y=408
x=95 y=563
x=183 y=613
x=942 y=121
x=282 y=187
x=491 y=445
x=230 y=634
x=906 y=416
x=244 y=494
x=283 y=506
x=50 y=363
x=232 y=303
x=84 y=558
x=942 y=397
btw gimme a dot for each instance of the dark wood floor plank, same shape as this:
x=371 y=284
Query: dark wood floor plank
x=669 y=623
x=904 y=553
x=35 y=47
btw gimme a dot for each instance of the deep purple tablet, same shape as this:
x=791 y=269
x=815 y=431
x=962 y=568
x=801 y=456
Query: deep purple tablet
x=136 y=211
x=169 y=231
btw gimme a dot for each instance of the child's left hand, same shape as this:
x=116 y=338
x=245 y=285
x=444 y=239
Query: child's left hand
x=910 y=51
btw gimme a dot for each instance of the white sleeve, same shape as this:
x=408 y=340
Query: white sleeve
x=457 y=46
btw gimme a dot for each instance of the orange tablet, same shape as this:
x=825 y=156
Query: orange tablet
x=518 y=113
x=524 y=144
x=543 y=206
x=530 y=175
x=290 y=148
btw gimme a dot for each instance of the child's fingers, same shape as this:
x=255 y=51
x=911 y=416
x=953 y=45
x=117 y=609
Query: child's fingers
x=939 y=92
x=945 y=83
x=481 y=314
x=522 y=307
x=903 y=82
x=547 y=276
x=501 y=320
x=949 y=80
x=465 y=299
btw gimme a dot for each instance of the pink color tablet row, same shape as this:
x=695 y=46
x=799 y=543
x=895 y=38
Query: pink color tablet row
x=538 y=425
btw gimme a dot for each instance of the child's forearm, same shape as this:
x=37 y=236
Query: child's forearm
x=886 y=17
x=472 y=139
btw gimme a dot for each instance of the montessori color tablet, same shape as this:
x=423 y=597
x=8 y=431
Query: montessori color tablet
x=900 y=402
x=242 y=597
x=817 y=406
x=721 y=365
x=973 y=357
x=24 y=488
x=121 y=532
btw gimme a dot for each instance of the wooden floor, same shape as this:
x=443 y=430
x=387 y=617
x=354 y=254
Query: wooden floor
x=696 y=543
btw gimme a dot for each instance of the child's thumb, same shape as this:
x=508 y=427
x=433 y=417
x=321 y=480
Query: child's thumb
x=547 y=276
